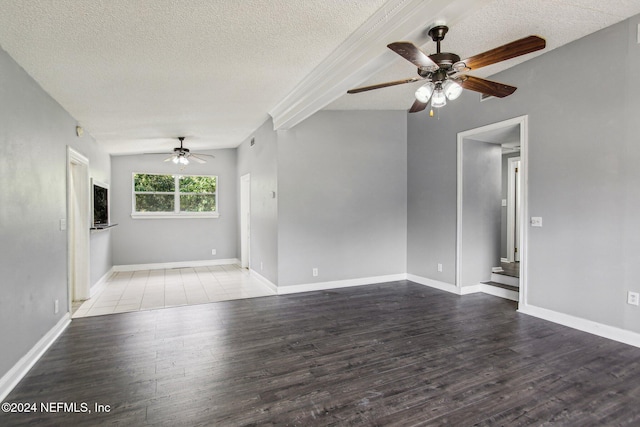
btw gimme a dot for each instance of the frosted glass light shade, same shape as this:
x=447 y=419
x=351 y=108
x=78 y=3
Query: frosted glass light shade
x=451 y=89
x=424 y=92
x=438 y=99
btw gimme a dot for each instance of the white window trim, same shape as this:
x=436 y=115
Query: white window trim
x=175 y=214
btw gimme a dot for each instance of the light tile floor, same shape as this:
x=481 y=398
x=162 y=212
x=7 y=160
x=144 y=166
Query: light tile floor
x=149 y=289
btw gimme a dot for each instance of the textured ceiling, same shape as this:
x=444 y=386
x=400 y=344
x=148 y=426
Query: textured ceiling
x=497 y=23
x=135 y=73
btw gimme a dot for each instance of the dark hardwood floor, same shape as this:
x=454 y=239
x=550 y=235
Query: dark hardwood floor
x=391 y=354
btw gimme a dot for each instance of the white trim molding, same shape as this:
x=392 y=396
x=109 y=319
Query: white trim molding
x=321 y=286
x=584 y=325
x=20 y=369
x=264 y=280
x=100 y=284
x=177 y=264
x=443 y=286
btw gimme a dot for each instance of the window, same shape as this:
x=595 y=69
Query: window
x=174 y=196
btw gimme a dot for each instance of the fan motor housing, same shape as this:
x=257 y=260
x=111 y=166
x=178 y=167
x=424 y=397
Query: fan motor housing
x=445 y=59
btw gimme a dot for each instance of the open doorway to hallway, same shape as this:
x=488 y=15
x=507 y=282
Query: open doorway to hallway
x=491 y=244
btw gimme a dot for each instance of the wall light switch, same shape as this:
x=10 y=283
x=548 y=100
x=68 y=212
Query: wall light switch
x=504 y=202
x=63 y=224
x=439 y=268
x=633 y=298
x=536 y=221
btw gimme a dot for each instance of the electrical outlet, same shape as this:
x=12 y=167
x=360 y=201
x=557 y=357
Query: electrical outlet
x=633 y=298
x=213 y=252
x=439 y=268
x=315 y=272
x=536 y=221
x=56 y=307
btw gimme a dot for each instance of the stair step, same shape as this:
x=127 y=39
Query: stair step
x=503 y=286
x=501 y=290
x=505 y=280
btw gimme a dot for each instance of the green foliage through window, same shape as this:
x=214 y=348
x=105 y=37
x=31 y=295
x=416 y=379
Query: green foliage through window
x=174 y=194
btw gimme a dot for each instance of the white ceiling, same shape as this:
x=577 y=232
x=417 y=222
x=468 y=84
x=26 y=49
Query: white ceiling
x=138 y=73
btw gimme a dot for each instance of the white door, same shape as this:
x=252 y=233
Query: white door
x=245 y=220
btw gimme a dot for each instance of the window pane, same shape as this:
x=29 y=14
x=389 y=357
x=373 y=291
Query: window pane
x=155 y=203
x=198 y=203
x=149 y=182
x=198 y=184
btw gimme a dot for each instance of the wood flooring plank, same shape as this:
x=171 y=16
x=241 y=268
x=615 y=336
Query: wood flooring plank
x=385 y=354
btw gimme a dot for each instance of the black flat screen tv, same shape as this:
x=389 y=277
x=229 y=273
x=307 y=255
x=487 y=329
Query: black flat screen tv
x=100 y=205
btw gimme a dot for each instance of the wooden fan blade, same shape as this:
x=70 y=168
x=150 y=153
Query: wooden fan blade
x=504 y=52
x=413 y=54
x=418 y=106
x=387 y=84
x=487 y=87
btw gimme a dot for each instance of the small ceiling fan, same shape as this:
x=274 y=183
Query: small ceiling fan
x=444 y=71
x=182 y=155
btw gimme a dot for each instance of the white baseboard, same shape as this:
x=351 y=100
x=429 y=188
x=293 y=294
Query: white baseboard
x=100 y=284
x=595 y=328
x=448 y=287
x=178 y=264
x=466 y=290
x=20 y=369
x=264 y=280
x=321 y=286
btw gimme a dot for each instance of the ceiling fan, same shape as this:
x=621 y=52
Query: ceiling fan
x=182 y=155
x=444 y=71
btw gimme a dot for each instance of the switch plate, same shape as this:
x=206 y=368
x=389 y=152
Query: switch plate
x=261 y=266
x=56 y=307
x=633 y=298
x=504 y=202
x=315 y=272
x=439 y=268
x=536 y=221
x=63 y=224
x=213 y=252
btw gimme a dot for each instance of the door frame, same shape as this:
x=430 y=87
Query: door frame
x=245 y=221
x=78 y=255
x=523 y=122
x=513 y=207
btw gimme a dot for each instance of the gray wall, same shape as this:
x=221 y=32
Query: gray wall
x=584 y=148
x=261 y=162
x=481 y=191
x=342 y=197
x=34 y=133
x=148 y=241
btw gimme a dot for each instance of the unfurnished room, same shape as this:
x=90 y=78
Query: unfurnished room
x=319 y=213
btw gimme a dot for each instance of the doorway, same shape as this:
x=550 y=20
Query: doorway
x=78 y=225
x=479 y=245
x=245 y=221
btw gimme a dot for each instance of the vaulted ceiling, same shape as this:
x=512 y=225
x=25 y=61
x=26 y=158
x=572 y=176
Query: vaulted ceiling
x=136 y=74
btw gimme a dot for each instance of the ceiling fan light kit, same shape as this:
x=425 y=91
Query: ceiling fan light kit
x=444 y=71
x=182 y=156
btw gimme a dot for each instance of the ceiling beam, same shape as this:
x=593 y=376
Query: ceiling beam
x=365 y=52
